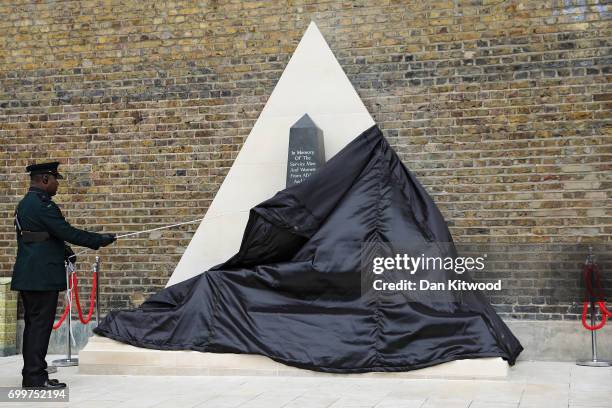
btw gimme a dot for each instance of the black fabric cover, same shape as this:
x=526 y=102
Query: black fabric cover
x=293 y=291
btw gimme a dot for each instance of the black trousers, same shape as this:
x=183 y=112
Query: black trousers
x=39 y=313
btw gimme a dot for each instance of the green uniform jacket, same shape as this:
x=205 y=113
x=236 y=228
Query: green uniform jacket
x=40 y=265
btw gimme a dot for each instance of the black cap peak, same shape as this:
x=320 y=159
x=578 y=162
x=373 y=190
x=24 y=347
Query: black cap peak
x=44 y=168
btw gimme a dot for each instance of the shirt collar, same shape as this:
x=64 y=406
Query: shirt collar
x=38 y=190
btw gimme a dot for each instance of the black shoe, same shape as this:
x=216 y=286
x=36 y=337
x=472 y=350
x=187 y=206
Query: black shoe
x=52 y=384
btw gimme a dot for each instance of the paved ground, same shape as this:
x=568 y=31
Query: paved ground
x=530 y=385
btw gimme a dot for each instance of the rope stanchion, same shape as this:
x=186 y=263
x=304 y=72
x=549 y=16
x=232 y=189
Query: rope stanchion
x=592 y=281
x=69 y=361
x=72 y=292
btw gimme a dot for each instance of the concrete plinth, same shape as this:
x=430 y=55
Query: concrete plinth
x=105 y=356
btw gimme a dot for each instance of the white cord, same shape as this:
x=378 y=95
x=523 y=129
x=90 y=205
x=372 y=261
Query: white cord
x=159 y=228
x=144 y=232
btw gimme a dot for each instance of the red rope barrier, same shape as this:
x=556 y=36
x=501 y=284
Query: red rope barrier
x=604 y=315
x=75 y=295
x=590 y=271
x=92 y=299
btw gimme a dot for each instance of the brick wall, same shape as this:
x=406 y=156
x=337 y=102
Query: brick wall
x=8 y=318
x=501 y=108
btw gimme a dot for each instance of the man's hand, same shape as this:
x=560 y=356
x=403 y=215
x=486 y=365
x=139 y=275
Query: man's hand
x=108 y=239
x=69 y=255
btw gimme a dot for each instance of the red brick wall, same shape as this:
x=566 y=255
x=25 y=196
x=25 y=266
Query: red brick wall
x=501 y=108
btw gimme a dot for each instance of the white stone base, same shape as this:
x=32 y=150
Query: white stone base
x=105 y=356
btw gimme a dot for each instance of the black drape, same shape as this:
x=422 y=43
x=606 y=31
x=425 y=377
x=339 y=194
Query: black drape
x=293 y=291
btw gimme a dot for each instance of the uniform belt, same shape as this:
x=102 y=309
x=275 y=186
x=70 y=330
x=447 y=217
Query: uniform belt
x=34 y=236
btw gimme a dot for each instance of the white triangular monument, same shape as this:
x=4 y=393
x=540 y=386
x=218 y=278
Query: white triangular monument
x=314 y=83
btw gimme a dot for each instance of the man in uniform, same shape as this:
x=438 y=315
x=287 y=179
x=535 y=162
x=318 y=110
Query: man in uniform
x=39 y=273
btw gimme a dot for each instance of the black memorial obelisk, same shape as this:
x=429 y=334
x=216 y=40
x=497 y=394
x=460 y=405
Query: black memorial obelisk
x=306 y=150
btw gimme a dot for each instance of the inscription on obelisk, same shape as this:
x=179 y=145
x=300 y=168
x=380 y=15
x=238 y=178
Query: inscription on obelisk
x=306 y=150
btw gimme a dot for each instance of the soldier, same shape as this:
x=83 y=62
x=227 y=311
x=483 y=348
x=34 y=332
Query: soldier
x=39 y=272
